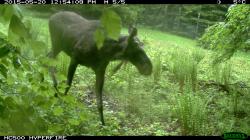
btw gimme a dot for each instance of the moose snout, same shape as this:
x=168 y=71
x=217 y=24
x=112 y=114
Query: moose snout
x=143 y=64
x=146 y=69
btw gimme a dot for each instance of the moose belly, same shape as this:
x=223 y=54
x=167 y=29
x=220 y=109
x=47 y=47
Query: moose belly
x=89 y=59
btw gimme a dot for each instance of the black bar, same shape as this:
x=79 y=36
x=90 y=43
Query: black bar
x=124 y=1
x=112 y=137
x=179 y=1
x=109 y=137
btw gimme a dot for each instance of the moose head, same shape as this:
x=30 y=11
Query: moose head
x=137 y=55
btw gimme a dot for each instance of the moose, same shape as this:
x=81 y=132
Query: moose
x=74 y=35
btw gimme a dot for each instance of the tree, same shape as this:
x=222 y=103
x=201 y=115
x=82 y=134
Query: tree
x=185 y=20
x=231 y=35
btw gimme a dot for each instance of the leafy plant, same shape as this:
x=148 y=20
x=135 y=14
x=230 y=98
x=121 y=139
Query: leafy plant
x=108 y=29
x=229 y=36
x=26 y=94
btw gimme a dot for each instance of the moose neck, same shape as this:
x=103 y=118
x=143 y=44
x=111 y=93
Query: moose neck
x=114 y=50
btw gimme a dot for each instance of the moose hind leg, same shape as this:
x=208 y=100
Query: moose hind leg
x=71 y=72
x=99 y=86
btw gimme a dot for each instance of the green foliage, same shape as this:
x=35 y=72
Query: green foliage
x=184 y=67
x=113 y=28
x=212 y=34
x=185 y=20
x=99 y=37
x=157 y=68
x=3 y=70
x=222 y=73
x=229 y=36
x=8 y=11
x=26 y=98
x=4 y=51
x=130 y=14
x=63 y=64
x=191 y=112
x=108 y=29
x=17 y=27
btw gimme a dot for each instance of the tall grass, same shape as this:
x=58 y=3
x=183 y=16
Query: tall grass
x=222 y=73
x=63 y=63
x=157 y=66
x=191 y=111
x=185 y=67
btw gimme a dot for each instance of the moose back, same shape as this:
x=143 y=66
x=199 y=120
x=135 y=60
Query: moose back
x=74 y=35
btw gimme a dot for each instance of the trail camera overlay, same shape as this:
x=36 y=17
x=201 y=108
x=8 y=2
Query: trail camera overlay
x=111 y=68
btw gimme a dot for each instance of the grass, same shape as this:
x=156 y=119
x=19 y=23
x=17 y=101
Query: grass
x=208 y=103
x=153 y=105
x=166 y=39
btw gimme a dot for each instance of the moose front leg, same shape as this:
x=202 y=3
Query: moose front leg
x=71 y=72
x=98 y=88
